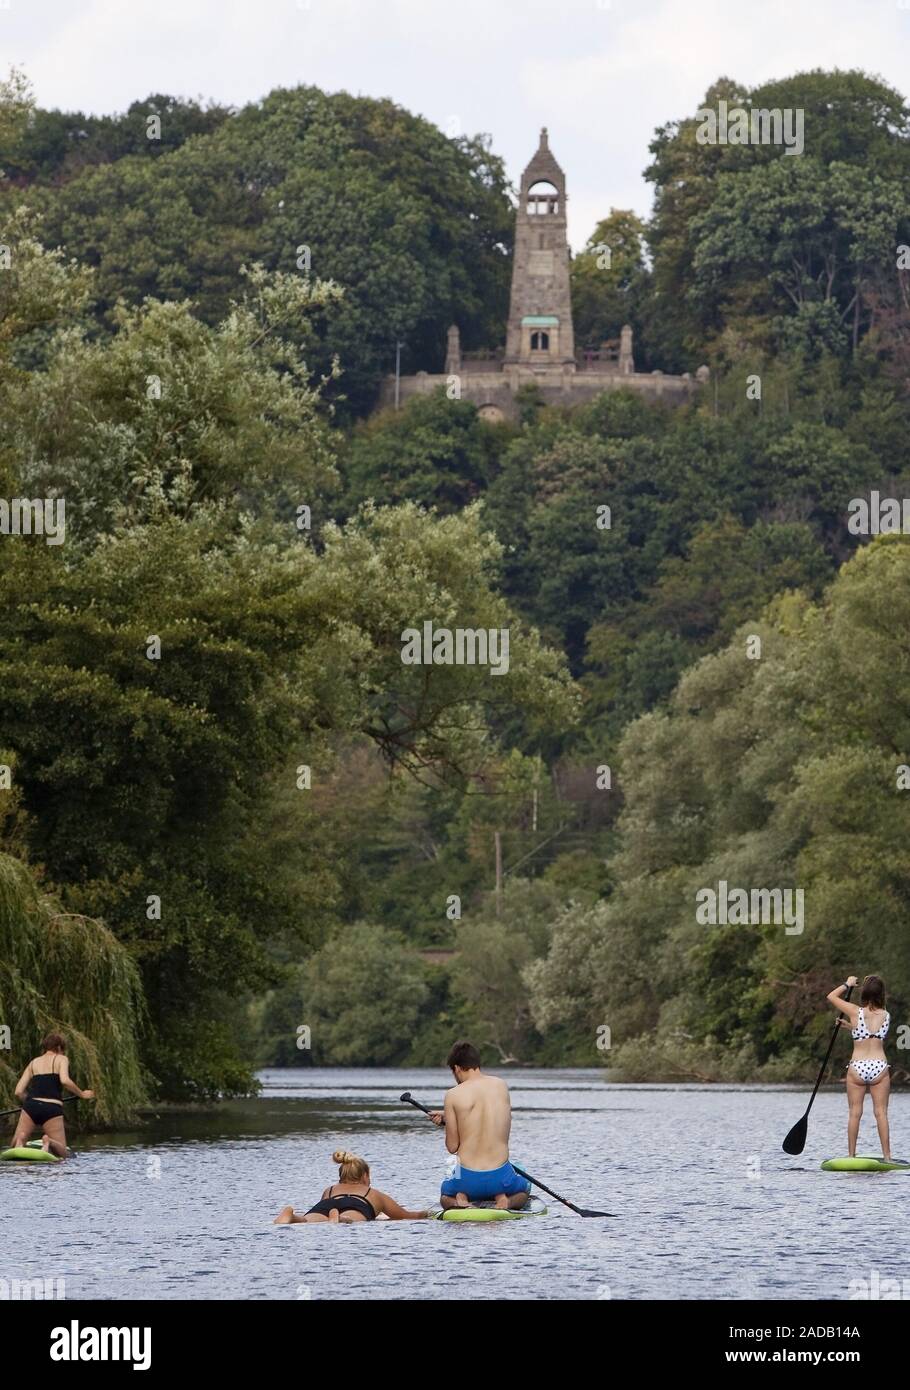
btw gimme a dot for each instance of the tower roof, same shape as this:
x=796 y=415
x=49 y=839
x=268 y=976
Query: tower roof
x=543 y=166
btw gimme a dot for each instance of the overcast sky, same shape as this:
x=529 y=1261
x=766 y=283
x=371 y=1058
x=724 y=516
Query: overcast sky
x=601 y=74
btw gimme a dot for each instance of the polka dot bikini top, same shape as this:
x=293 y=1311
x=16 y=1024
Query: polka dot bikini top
x=861 y=1032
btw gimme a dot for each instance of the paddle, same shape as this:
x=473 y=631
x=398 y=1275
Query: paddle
x=70 y=1100
x=795 y=1141
x=579 y=1211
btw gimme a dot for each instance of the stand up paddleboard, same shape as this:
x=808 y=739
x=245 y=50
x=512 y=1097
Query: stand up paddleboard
x=485 y=1211
x=865 y=1165
x=32 y=1153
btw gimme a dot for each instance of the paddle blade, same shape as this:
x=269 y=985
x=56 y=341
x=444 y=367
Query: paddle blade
x=795 y=1141
x=405 y=1096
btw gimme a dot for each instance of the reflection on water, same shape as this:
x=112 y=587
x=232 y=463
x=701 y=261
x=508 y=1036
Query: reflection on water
x=708 y=1207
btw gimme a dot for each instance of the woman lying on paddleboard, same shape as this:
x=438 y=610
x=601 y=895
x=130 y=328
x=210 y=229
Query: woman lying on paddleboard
x=352 y=1198
x=40 y=1089
x=868 y=1069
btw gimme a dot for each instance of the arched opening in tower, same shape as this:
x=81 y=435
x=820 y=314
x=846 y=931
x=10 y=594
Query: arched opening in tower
x=543 y=198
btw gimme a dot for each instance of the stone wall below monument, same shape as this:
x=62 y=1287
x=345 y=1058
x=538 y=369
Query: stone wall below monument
x=493 y=392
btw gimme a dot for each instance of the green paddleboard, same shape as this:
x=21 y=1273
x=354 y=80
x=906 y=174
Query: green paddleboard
x=32 y=1153
x=485 y=1211
x=865 y=1165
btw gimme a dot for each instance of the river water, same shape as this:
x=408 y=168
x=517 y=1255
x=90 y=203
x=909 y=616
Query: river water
x=707 y=1205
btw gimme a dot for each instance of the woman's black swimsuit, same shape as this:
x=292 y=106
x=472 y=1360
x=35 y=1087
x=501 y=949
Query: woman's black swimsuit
x=44 y=1087
x=347 y=1201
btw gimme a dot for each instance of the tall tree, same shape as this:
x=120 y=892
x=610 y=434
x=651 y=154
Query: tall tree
x=414 y=226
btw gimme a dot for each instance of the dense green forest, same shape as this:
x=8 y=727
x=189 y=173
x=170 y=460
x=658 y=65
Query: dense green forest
x=230 y=816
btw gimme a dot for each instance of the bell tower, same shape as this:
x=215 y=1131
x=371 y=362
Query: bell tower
x=540 y=331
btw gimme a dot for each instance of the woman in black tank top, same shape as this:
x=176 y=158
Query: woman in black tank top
x=40 y=1090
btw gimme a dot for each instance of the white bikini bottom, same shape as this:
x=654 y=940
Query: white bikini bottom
x=869 y=1071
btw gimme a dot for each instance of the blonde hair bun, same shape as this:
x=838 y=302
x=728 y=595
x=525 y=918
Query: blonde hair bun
x=351 y=1168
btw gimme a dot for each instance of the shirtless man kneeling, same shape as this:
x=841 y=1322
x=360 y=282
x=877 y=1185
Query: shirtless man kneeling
x=477 y=1119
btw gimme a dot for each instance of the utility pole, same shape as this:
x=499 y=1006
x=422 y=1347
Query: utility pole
x=498 y=841
x=398 y=347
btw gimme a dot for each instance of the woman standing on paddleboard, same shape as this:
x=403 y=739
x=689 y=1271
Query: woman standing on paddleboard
x=869 y=1070
x=40 y=1089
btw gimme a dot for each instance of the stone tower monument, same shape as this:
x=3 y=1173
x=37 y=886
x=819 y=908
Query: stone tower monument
x=539 y=330
x=540 y=341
